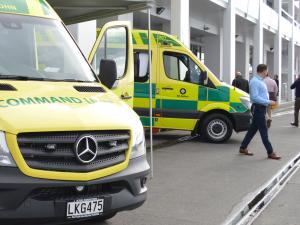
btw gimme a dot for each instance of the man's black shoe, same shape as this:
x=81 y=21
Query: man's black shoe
x=294 y=124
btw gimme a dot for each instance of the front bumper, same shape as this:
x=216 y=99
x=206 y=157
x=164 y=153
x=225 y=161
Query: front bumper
x=27 y=198
x=242 y=121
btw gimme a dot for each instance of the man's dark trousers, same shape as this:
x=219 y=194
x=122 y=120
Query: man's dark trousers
x=258 y=124
x=296 y=113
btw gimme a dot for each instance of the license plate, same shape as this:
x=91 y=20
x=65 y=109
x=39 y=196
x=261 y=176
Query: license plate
x=85 y=208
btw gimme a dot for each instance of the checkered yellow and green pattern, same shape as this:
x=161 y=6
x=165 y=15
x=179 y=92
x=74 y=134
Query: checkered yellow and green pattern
x=222 y=98
x=204 y=99
x=39 y=8
x=206 y=96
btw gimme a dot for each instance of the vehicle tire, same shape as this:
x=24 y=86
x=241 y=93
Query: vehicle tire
x=103 y=218
x=216 y=128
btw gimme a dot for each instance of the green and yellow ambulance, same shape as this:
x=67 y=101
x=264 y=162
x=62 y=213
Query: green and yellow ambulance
x=70 y=149
x=186 y=94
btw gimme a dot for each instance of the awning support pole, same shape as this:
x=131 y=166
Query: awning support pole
x=150 y=92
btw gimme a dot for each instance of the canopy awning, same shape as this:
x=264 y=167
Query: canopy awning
x=75 y=11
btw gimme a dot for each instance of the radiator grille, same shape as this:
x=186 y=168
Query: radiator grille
x=56 y=151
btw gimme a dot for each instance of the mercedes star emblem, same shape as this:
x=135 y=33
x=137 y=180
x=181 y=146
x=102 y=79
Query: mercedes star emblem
x=86 y=149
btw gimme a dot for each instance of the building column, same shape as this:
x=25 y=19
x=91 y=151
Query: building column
x=296 y=63
x=258 y=41
x=291 y=53
x=242 y=57
x=246 y=48
x=229 y=23
x=265 y=54
x=213 y=57
x=291 y=67
x=85 y=35
x=180 y=20
x=221 y=41
x=298 y=13
x=278 y=47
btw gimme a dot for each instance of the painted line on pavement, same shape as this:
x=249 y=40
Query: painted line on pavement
x=172 y=142
x=283 y=109
x=286 y=103
x=283 y=113
x=254 y=204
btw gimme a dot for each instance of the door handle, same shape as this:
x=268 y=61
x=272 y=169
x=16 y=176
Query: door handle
x=167 y=88
x=123 y=97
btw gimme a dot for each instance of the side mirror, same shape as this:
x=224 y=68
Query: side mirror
x=108 y=72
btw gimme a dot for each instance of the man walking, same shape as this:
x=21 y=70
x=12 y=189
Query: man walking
x=296 y=85
x=240 y=82
x=260 y=101
x=273 y=91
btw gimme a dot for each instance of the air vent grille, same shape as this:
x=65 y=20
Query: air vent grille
x=7 y=87
x=89 y=89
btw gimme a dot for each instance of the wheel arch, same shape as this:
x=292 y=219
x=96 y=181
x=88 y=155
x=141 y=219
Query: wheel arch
x=204 y=115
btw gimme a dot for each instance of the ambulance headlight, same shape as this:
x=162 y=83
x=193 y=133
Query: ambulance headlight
x=138 y=141
x=246 y=102
x=6 y=158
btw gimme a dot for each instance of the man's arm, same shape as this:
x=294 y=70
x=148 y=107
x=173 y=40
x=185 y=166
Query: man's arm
x=293 y=86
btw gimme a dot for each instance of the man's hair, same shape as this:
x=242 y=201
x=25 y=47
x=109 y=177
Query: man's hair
x=261 y=68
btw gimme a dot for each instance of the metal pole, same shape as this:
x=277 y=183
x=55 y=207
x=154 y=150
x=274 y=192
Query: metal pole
x=150 y=92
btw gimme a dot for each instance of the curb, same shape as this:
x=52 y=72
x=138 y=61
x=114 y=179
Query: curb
x=251 y=208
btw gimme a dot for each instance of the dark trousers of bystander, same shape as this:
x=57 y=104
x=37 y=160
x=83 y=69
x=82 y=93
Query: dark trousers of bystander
x=258 y=124
x=296 y=113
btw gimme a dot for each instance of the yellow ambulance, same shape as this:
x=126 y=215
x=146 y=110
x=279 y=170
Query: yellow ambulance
x=70 y=149
x=186 y=94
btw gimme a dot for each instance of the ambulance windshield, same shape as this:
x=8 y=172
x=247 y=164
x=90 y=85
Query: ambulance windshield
x=34 y=48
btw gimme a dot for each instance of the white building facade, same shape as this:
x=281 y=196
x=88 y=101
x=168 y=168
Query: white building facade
x=227 y=35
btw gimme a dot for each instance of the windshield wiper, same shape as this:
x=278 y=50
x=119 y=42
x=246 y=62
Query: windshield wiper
x=17 y=77
x=75 y=80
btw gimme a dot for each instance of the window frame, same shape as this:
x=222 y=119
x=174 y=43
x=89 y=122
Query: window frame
x=178 y=66
x=189 y=58
x=127 y=47
x=146 y=52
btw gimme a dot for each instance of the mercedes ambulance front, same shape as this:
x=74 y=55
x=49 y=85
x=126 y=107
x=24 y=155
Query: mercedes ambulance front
x=69 y=148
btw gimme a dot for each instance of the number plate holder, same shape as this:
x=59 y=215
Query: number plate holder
x=83 y=208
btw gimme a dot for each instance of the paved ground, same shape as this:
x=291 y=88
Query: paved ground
x=285 y=208
x=198 y=183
